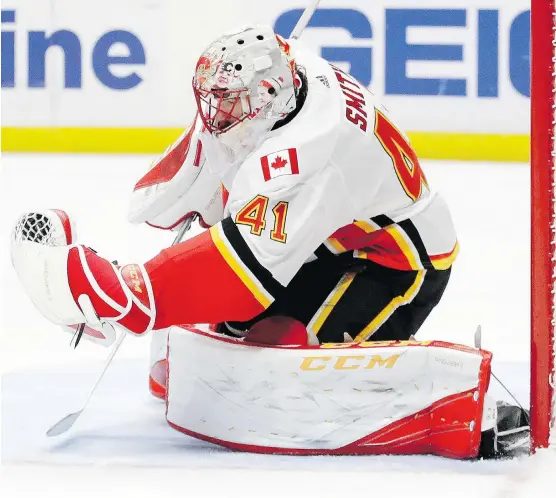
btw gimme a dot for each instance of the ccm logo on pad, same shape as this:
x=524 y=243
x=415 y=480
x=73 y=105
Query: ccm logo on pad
x=280 y=163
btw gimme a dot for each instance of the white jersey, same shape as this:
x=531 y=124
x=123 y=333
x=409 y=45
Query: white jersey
x=339 y=176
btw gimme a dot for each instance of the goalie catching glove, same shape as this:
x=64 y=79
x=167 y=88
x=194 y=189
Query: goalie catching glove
x=63 y=279
x=70 y=284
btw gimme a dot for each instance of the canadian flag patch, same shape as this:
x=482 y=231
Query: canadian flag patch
x=280 y=163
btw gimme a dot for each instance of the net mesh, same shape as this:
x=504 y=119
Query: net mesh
x=34 y=227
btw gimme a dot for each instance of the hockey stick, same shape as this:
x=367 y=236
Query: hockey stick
x=186 y=225
x=304 y=19
x=66 y=423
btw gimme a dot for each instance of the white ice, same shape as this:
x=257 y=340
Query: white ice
x=121 y=444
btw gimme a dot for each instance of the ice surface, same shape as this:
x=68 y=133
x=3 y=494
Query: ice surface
x=122 y=445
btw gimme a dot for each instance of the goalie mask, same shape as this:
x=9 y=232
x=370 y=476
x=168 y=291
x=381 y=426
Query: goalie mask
x=243 y=84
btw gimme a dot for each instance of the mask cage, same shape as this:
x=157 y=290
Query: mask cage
x=221 y=109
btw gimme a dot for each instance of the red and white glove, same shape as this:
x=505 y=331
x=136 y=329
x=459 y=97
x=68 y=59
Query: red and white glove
x=70 y=284
x=178 y=186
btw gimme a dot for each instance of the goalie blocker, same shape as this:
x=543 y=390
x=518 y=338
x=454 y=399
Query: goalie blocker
x=355 y=398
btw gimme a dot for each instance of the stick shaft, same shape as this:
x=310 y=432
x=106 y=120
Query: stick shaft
x=185 y=226
x=106 y=365
x=304 y=19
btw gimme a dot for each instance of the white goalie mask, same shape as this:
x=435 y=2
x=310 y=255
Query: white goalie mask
x=243 y=84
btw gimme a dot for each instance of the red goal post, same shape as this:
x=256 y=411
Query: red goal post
x=542 y=222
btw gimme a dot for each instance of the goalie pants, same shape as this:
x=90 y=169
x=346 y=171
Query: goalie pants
x=341 y=294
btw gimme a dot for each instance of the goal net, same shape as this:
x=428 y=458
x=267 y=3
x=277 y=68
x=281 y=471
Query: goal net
x=543 y=243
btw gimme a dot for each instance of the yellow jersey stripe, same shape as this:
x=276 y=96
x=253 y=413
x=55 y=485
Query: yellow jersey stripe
x=365 y=226
x=446 y=262
x=239 y=268
x=338 y=247
x=331 y=301
x=387 y=311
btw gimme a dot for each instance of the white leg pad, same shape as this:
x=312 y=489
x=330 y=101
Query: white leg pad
x=350 y=398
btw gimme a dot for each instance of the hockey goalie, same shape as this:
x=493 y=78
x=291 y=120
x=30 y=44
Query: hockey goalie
x=288 y=325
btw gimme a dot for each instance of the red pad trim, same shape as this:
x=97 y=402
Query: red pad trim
x=198 y=151
x=156 y=389
x=157 y=379
x=225 y=195
x=135 y=321
x=193 y=283
x=365 y=345
x=181 y=220
x=105 y=277
x=169 y=165
x=64 y=218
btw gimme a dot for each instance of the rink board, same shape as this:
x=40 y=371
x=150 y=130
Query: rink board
x=115 y=75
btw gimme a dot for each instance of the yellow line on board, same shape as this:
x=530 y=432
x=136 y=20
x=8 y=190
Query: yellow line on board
x=92 y=140
x=471 y=146
x=428 y=145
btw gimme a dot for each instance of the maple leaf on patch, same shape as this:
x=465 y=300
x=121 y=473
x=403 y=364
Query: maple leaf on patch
x=278 y=163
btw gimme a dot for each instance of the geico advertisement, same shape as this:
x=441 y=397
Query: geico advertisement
x=444 y=66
